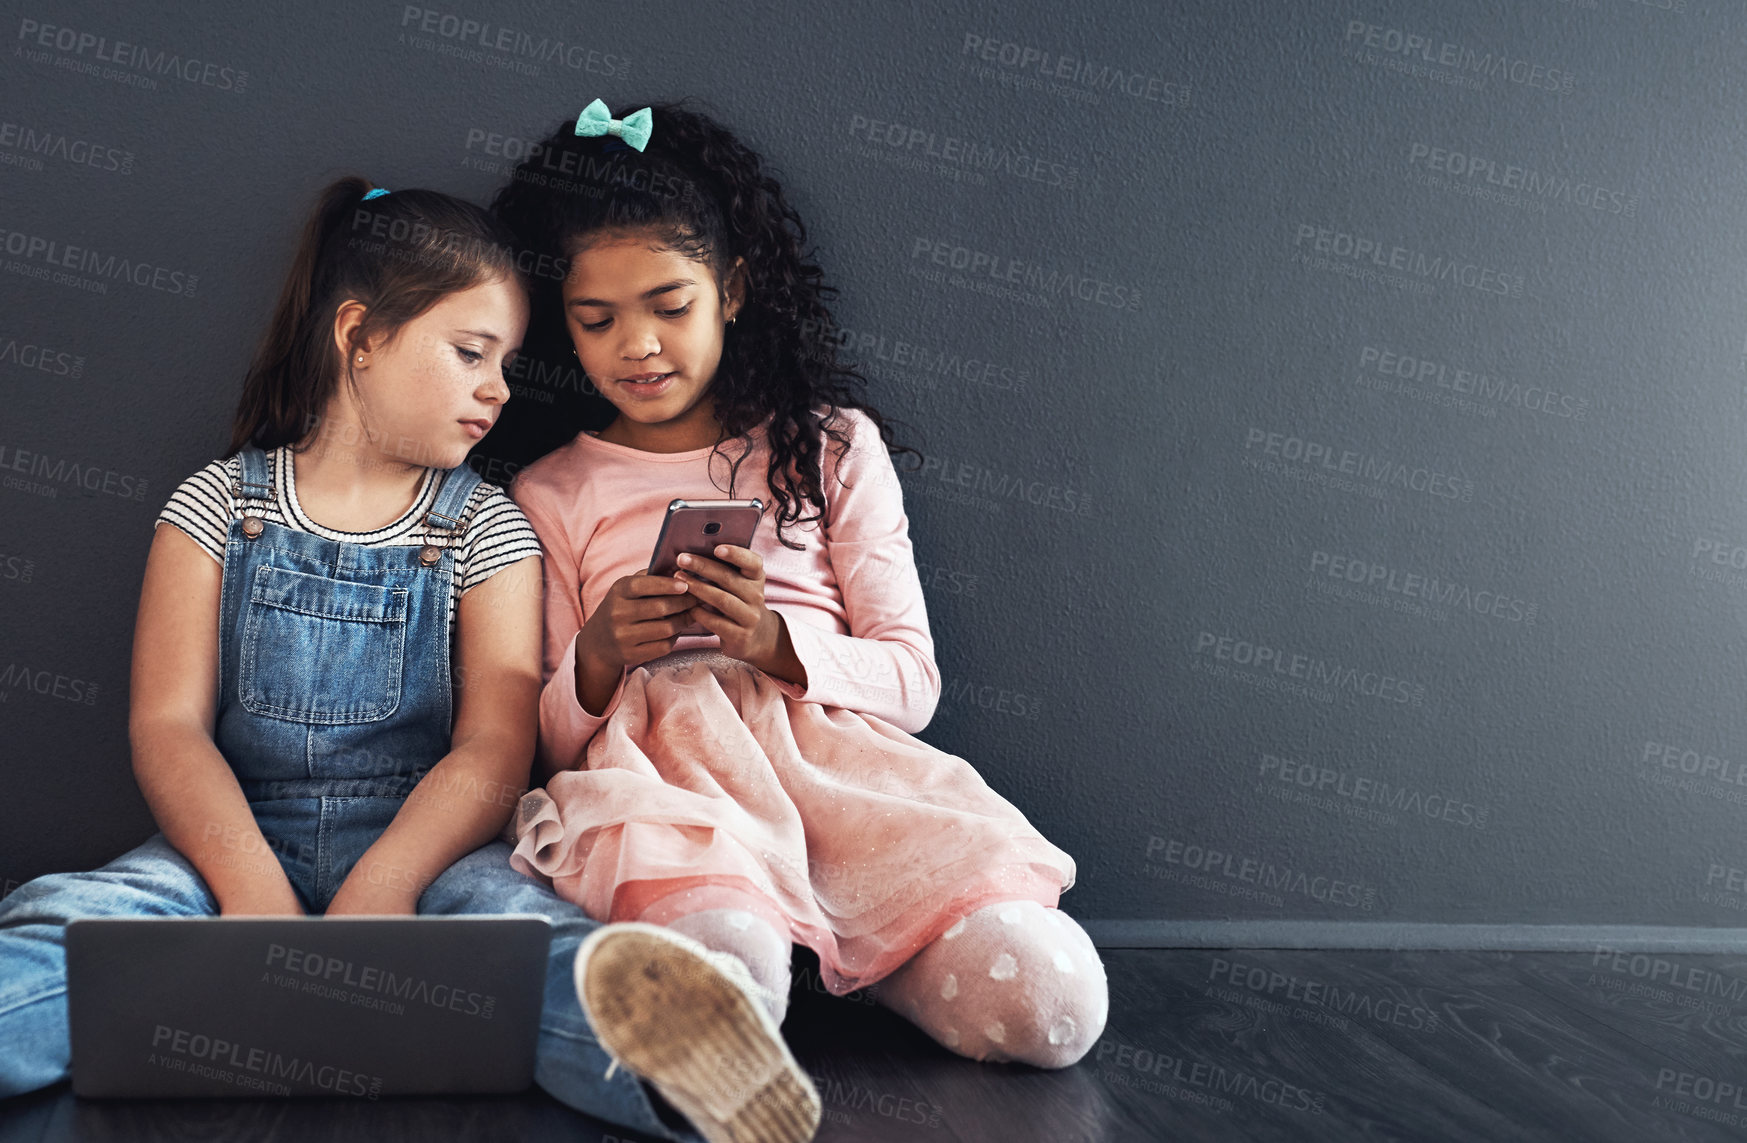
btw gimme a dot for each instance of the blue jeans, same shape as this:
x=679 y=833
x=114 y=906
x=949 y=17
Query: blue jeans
x=154 y=880
x=335 y=696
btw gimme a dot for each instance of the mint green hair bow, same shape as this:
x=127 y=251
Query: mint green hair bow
x=634 y=128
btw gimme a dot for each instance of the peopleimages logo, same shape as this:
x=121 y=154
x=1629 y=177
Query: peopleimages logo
x=1429 y=588
x=1312 y=993
x=1290 y=772
x=1004 y=486
x=1030 y=275
x=531 y=160
x=1527 y=180
x=40 y=682
x=868 y=347
x=84 y=260
x=1160 y=1072
x=1729 y=557
x=1398 y=44
x=90 y=477
x=16 y=568
x=1309 y=670
x=1661 y=755
x=482 y=34
x=1488 y=387
x=41 y=358
x=1705 y=1096
x=1313 y=455
x=923 y=142
x=333 y=971
x=1346 y=247
x=245 y=1066
x=33 y=144
x=1215 y=863
x=1075 y=72
x=130 y=57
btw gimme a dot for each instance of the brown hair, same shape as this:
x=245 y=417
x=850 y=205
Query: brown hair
x=399 y=254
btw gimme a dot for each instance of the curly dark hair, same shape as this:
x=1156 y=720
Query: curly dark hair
x=704 y=193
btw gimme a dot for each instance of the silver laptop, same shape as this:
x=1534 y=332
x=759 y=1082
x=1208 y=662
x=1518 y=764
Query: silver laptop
x=336 y=1007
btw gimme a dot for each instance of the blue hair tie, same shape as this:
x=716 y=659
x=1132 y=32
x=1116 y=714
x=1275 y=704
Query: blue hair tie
x=377 y=193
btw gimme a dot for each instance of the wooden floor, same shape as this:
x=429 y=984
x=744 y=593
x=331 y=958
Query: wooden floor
x=1257 y=1045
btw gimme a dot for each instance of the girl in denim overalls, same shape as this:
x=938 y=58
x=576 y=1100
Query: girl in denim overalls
x=309 y=744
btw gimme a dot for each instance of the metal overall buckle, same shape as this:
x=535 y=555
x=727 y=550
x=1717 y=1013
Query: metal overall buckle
x=253 y=525
x=431 y=553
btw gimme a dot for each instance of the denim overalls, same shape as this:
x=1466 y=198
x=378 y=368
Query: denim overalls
x=334 y=699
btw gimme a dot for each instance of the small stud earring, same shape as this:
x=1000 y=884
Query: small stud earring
x=360 y=359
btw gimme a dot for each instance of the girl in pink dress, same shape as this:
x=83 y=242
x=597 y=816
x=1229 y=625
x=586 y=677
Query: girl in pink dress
x=761 y=784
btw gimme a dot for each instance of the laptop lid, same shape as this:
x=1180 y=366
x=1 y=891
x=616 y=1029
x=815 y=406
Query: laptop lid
x=306 y=1006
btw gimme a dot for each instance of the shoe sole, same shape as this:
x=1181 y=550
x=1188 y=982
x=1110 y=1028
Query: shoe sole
x=680 y=1022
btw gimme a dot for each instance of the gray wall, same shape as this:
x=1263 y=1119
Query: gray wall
x=1333 y=503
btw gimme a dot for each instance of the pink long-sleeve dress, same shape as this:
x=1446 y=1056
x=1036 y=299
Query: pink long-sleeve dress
x=706 y=783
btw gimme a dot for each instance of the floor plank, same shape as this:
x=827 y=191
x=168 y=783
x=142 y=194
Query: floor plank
x=1289 y=1045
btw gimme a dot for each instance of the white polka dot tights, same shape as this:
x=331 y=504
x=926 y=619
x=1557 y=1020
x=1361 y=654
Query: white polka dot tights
x=1013 y=981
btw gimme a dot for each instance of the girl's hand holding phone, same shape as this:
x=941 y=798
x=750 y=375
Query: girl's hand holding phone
x=637 y=620
x=641 y=616
x=730 y=602
x=732 y=585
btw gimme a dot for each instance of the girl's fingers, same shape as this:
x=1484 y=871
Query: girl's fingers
x=657 y=608
x=737 y=561
x=726 y=602
x=647 y=585
x=704 y=568
x=708 y=571
x=747 y=560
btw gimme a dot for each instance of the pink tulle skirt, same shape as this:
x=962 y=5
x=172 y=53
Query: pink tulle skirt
x=708 y=787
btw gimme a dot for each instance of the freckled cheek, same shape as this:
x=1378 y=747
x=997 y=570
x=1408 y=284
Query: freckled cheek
x=449 y=373
x=431 y=390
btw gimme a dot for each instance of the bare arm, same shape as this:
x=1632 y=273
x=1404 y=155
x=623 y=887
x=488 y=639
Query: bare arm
x=465 y=799
x=191 y=790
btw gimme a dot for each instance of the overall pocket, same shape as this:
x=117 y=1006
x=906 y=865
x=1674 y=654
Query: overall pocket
x=320 y=650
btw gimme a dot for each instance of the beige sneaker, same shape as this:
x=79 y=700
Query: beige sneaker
x=688 y=1020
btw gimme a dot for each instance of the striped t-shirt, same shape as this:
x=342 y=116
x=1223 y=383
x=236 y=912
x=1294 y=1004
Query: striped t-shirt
x=497 y=534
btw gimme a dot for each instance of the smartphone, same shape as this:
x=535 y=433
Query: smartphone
x=697 y=526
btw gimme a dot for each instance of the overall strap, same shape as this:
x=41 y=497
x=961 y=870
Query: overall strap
x=254 y=484
x=253 y=489
x=444 y=523
x=445 y=515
